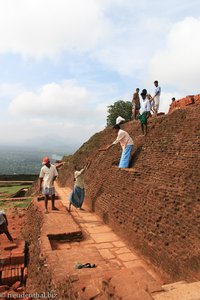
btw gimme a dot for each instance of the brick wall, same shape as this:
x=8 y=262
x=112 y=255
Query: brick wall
x=183 y=102
x=155 y=204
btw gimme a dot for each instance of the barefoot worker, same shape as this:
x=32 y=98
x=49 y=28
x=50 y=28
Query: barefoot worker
x=144 y=111
x=48 y=175
x=4 y=225
x=77 y=196
x=126 y=143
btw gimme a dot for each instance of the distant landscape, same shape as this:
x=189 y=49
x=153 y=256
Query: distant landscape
x=15 y=161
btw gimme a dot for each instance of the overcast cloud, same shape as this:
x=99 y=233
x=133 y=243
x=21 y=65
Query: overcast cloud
x=64 y=61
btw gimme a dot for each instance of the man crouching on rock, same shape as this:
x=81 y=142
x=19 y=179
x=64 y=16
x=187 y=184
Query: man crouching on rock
x=48 y=175
x=4 y=225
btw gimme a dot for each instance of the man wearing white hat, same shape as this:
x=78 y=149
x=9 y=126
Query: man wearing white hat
x=120 y=120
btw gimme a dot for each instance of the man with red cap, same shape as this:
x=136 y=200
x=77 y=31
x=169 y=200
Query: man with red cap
x=48 y=175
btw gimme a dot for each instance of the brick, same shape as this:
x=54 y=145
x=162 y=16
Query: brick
x=127 y=257
x=20 y=289
x=17 y=258
x=3 y=288
x=122 y=250
x=106 y=254
x=91 y=292
x=104 y=246
x=16 y=285
x=119 y=244
x=104 y=237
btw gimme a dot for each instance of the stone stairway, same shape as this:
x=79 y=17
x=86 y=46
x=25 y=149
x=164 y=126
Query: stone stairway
x=120 y=272
x=179 y=291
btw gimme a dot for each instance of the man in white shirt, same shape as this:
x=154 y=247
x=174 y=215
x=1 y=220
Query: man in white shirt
x=48 y=175
x=126 y=143
x=156 y=97
x=144 y=111
x=4 y=225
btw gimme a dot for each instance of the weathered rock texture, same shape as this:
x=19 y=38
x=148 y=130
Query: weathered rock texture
x=154 y=204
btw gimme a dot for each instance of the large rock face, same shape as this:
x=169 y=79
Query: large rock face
x=155 y=204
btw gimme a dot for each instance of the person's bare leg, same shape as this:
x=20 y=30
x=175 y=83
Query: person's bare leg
x=133 y=114
x=46 y=203
x=70 y=206
x=53 y=202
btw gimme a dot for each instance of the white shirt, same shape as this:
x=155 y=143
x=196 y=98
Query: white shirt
x=119 y=120
x=79 y=181
x=48 y=175
x=158 y=91
x=123 y=138
x=145 y=106
x=2 y=219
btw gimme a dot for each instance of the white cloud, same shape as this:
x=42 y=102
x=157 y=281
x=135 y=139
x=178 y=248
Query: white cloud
x=117 y=33
x=45 y=28
x=65 y=100
x=178 y=64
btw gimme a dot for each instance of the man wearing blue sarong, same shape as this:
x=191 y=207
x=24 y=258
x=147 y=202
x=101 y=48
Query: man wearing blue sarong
x=77 y=196
x=126 y=143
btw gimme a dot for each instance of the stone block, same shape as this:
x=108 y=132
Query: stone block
x=16 y=285
x=91 y=292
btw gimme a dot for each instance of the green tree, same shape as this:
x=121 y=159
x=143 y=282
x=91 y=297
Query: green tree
x=119 y=108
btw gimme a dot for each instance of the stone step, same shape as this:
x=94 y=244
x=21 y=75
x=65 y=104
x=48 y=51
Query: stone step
x=134 y=283
x=180 y=291
x=173 y=285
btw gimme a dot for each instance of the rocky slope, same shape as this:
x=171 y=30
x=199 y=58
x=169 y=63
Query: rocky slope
x=154 y=205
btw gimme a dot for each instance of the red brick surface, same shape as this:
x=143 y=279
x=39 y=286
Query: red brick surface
x=155 y=207
x=181 y=103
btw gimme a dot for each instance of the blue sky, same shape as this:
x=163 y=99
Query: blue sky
x=64 y=61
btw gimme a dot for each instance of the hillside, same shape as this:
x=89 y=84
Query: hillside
x=154 y=205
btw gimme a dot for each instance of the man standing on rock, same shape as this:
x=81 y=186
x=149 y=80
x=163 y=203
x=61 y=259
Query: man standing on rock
x=48 y=175
x=4 y=225
x=156 y=97
x=136 y=104
x=126 y=143
x=144 y=111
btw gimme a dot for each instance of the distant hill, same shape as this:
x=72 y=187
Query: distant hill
x=18 y=160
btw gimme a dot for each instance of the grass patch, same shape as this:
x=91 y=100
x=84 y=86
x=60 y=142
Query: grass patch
x=23 y=204
x=9 y=190
x=6 y=204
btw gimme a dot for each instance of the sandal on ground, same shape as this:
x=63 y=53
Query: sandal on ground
x=87 y=265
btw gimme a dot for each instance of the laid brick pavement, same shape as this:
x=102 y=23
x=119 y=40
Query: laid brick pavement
x=100 y=245
x=119 y=271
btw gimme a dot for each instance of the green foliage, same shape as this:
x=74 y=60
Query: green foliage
x=119 y=108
